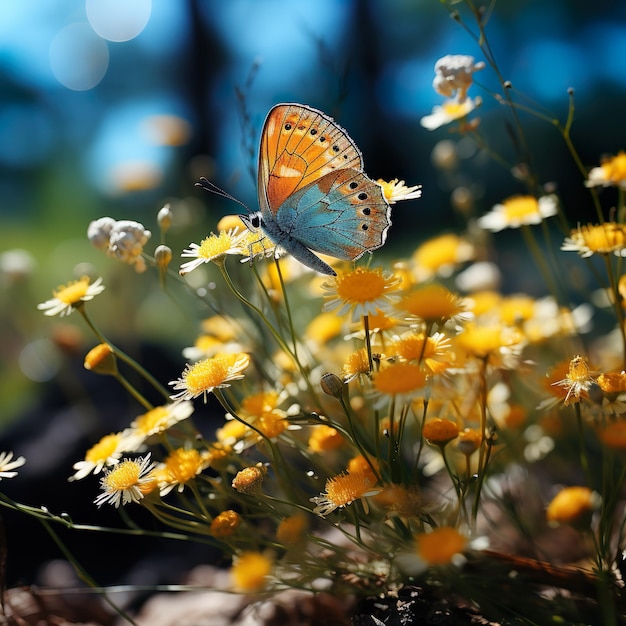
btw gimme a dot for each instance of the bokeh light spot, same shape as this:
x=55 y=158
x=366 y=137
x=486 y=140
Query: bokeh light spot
x=79 y=59
x=118 y=20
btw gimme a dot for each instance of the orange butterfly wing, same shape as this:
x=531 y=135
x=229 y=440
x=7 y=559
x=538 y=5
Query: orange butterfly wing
x=299 y=145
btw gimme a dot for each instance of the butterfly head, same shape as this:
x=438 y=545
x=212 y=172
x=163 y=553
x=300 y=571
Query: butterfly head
x=253 y=221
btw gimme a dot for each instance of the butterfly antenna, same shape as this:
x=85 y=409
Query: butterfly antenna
x=207 y=185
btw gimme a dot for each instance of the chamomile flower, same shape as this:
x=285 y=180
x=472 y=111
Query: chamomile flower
x=250 y=572
x=225 y=524
x=212 y=249
x=201 y=378
x=519 y=211
x=433 y=351
x=7 y=465
x=396 y=190
x=159 y=419
x=71 y=296
x=127 y=482
x=434 y=304
x=362 y=291
x=106 y=452
x=578 y=381
x=441 y=546
x=343 y=490
x=180 y=466
x=441 y=255
x=605 y=238
x=448 y=112
x=573 y=505
x=401 y=381
x=612 y=172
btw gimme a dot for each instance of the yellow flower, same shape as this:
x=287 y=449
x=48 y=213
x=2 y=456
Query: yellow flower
x=160 y=418
x=343 y=490
x=612 y=171
x=363 y=291
x=433 y=351
x=291 y=529
x=572 y=505
x=225 y=524
x=440 y=432
x=250 y=479
x=250 y=572
x=179 y=467
x=433 y=303
x=468 y=441
x=357 y=363
x=441 y=255
x=323 y=328
x=400 y=380
x=213 y=248
x=106 y=452
x=578 y=380
x=449 y=111
x=439 y=546
x=71 y=296
x=325 y=438
x=501 y=345
x=127 y=482
x=204 y=376
x=597 y=239
x=395 y=190
x=518 y=211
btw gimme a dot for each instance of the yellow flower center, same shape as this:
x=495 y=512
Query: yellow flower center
x=99 y=359
x=325 y=438
x=615 y=169
x=455 y=109
x=601 y=238
x=215 y=246
x=271 y=424
x=73 y=292
x=516 y=309
x=259 y=403
x=361 y=285
x=152 y=419
x=578 y=369
x=399 y=378
x=123 y=476
x=440 y=431
x=182 y=465
x=570 y=504
x=209 y=373
x=516 y=208
x=103 y=449
x=439 y=546
x=249 y=479
x=439 y=252
x=357 y=363
x=346 y=488
x=324 y=327
x=432 y=303
x=482 y=341
x=225 y=524
x=250 y=571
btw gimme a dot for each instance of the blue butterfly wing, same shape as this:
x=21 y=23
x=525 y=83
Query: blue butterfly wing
x=343 y=214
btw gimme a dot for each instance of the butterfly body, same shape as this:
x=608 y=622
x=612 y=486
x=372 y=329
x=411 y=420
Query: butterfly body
x=313 y=193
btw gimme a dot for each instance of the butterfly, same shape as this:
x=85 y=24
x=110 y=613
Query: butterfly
x=312 y=191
